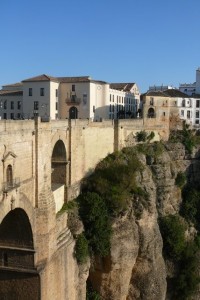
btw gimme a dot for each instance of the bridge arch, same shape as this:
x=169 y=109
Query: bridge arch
x=19 y=278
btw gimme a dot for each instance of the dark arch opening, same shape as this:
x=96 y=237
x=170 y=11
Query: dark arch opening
x=73 y=113
x=15 y=229
x=58 y=164
x=19 y=278
x=151 y=113
x=9 y=175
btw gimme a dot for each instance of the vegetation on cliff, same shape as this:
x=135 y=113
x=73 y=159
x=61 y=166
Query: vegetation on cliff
x=177 y=246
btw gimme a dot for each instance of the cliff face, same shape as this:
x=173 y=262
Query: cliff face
x=135 y=268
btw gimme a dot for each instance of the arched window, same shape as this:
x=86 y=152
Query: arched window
x=151 y=113
x=9 y=175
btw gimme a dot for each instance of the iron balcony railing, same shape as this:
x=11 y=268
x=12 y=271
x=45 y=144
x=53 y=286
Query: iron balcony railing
x=10 y=185
x=73 y=99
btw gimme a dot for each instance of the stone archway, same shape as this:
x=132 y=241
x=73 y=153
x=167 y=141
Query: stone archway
x=19 y=278
x=73 y=113
x=151 y=113
x=58 y=164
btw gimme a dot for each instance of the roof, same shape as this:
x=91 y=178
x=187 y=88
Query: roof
x=42 y=77
x=175 y=93
x=10 y=93
x=45 y=77
x=79 y=79
x=155 y=93
x=13 y=84
x=125 y=87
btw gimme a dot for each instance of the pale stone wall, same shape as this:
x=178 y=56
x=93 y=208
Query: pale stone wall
x=28 y=146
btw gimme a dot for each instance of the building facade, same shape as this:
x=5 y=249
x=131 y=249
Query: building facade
x=69 y=97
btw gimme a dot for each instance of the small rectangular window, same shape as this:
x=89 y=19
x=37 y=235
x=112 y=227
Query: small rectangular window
x=5 y=116
x=30 y=92
x=73 y=87
x=56 y=105
x=18 y=116
x=36 y=105
x=12 y=105
x=12 y=116
x=5 y=104
x=197 y=114
x=19 y=104
x=56 y=92
x=41 y=91
x=198 y=103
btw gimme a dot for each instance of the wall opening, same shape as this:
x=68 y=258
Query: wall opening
x=151 y=113
x=58 y=165
x=73 y=113
x=19 y=278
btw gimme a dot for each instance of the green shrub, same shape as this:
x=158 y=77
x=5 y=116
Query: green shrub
x=180 y=180
x=91 y=294
x=151 y=136
x=114 y=179
x=190 y=207
x=173 y=233
x=67 y=206
x=94 y=214
x=186 y=283
x=81 y=249
x=141 y=136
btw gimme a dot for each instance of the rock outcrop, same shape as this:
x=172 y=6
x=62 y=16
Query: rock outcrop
x=135 y=269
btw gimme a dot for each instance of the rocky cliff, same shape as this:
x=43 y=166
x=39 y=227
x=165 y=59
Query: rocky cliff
x=135 y=267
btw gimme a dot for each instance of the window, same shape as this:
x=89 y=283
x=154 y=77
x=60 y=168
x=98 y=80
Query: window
x=196 y=121
x=56 y=92
x=5 y=104
x=110 y=97
x=197 y=114
x=18 y=116
x=198 y=103
x=73 y=87
x=5 y=116
x=113 y=98
x=182 y=113
x=84 y=99
x=41 y=91
x=93 y=109
x=188 y=114
x=164 y=113
x=36 y=105
x=9 y=175
x=30 y=92
x=19 y=104
x=110 y=108
x=56 y=105
x=151 y=101
x=12 y=105
x=12 y=116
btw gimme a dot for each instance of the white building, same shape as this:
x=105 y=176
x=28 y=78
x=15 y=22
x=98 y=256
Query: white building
x=160 y=87
x=191 y=88
x=187 y=107
x=70 y=97
x=11 y=99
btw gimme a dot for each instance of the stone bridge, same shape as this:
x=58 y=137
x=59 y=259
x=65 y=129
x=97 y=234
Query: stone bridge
x=41 y=166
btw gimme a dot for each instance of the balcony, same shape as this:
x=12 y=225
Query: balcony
x=11 y=185
x=73 y=99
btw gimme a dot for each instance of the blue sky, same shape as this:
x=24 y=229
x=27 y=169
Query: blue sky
x=143 y=41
